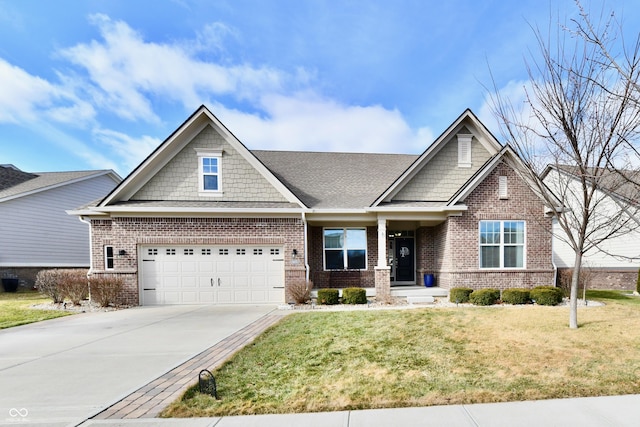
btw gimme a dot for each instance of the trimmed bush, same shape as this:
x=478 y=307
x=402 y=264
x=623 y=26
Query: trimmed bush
x=638 y=282
x=300 y=291
x=460 y=295
x=74 y=285
x=328 y=296
x=105 y=289
x=547 y=295
x=354 y=296
x=484 y=297
x=47 y=284
x=516 y=296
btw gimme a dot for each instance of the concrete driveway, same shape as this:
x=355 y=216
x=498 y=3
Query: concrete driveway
x=62 y=371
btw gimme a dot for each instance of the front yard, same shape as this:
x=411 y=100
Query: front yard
x=15 y=309
x=328 y=361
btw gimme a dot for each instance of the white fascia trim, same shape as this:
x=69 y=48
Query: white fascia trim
x=196 y=210
x=43 y=264
x=439 y=209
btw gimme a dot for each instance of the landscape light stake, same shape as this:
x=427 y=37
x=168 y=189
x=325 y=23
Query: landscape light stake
x=207 y=383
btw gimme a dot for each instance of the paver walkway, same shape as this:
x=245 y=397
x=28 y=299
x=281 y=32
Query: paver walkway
x=148 y=401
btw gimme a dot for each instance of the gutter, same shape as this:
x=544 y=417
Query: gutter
x=305 y=247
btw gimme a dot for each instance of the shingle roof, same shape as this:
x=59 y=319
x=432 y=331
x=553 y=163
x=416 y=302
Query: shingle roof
x=42 y=180
x=10 y=176
x=335 y=180
x=623 y=183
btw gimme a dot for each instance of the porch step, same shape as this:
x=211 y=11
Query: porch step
x=421 y=300
x=419 y=291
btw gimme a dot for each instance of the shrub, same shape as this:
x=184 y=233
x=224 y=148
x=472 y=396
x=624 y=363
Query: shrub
x=516 y=296
x=47 y=283
x=460 y=295
x=300 y=291
x=105 y=289
x=547 y=295
x=328 y=296
x=73 y=284
x=354 y=296
x=638 y=282
x=484 y=296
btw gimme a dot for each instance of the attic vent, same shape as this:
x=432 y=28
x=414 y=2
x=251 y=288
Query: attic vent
x=502 y=187
x=464 y=150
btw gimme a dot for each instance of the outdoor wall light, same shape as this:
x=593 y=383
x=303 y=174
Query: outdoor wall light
x=122 y=252
x=294 y=253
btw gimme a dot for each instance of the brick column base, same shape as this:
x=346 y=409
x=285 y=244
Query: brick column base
x=383 y=283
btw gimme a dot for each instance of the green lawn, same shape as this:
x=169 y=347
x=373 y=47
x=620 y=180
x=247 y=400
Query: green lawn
x=15 y=309
x=327 y=361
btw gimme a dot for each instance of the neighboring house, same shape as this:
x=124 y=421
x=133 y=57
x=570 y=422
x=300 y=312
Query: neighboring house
x=35 y=230
x=203 y=219
x=615 y=263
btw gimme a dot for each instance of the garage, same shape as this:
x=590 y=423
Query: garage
x=235 y=274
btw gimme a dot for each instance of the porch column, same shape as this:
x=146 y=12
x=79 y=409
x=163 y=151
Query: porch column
x=382 y=270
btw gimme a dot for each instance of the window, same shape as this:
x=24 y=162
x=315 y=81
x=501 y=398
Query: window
x=345 y=248
x=210 y=173
x=108 y=257
x=209 y=167
x=502 y=244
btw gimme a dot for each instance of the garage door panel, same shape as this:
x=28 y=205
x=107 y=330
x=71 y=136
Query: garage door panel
x=212 y=274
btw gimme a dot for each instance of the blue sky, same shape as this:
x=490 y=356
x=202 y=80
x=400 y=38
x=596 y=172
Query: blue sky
x=99 y=84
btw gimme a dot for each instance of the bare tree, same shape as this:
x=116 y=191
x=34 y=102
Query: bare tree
x=575 y=127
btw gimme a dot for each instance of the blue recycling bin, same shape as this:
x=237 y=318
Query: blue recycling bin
x=429 y=280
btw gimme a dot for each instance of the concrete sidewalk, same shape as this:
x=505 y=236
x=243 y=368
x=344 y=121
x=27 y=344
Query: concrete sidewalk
x=613 y=411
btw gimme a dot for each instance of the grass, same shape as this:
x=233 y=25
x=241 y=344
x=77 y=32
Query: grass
x=15 y=309
x=328 y=361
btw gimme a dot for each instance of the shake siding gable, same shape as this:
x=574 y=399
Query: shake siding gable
x=178 y=180
x=441 y=177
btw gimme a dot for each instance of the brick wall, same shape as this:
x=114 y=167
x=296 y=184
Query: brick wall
x=129 y=233
x=341 y=279
x=603 y=278
x=457 y=240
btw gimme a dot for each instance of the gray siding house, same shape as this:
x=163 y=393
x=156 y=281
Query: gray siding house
x=35 y=230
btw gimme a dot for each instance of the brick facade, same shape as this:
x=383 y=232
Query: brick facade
x=129 y=233
x=457 y=240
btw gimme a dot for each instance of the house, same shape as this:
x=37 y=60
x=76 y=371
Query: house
x=615 y=262
x=203 y=219
x=35 y=230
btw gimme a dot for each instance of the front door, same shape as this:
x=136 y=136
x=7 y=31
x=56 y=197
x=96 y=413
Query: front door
x=405 y=265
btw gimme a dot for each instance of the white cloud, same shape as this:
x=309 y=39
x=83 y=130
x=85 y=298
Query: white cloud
x=25 y=98
x=128 y=71
x=307 y=121
x=130 y=151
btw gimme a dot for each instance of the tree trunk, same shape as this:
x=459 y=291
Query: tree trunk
x=573 y=298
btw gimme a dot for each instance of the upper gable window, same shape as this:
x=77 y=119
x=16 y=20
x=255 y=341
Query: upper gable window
x=464 y=150
x=210 y=172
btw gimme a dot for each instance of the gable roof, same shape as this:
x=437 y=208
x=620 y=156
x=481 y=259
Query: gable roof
x=159 y=158
x=325 y=180
x=466 y=119
x=25 y=183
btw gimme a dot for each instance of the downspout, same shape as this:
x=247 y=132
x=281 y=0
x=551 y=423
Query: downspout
x=305 y=246
x=90 y=255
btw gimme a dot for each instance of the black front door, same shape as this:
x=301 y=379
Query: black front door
x=405 y=259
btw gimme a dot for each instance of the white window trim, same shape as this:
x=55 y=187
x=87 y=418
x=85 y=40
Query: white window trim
x=213 y=154
x=502 y=245
x=106 y=257
x=464 y=150
x=345 y=255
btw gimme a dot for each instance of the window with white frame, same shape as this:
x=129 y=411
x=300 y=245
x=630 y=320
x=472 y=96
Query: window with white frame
x=108 y=257
x=345 y=248
x=210 y=172
x=502 y=244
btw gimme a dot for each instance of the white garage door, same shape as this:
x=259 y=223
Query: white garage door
x=211 y=274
